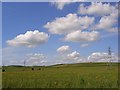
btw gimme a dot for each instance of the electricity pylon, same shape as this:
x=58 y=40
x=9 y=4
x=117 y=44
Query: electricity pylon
x=24 y=63
x=109 y=58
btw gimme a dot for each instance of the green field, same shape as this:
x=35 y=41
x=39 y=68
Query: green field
x=86 y=75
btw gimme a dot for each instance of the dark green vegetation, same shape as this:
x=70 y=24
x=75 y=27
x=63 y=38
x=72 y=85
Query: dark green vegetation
x=86 y=75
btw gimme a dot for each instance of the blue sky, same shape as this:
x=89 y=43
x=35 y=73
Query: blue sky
x=18 y=18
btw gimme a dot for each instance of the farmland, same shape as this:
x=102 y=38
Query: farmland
x=85 y=75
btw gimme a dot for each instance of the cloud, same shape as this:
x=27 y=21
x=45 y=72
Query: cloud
x=61 y=3
x=36 y=56
x=69 y=57
x=97 y=8
x=63 y=49
x=74 y=28
x=74 y=55
x=17 y=56
x=13 y=55
x=84 y=45
x=107 y=12
x=79 y=36
x=29 y=39
x=69 y=23
x=114 y=29
x=102 y=57
x=107 y=23
x=16 y=62
x=36 y=59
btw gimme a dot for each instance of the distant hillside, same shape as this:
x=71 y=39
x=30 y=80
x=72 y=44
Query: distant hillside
x=16 y=65
x=83 y=64
x=91 y=64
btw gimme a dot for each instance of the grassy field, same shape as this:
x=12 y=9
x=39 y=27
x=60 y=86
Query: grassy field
x=87 y=75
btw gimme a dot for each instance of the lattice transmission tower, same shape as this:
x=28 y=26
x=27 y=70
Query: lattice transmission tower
x=109 y=58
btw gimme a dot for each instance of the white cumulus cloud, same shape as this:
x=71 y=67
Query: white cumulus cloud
x=36 y=59
x=36 y=56
x=107 y=12
x=69 y=23
x=63 y=49
x=69 y=57
x=74 y=55
x=73 y=28
x=29 y=39
x=79 y=36
x=61 y=3
x=107 y=23
x=102 y=57
x=97 y=8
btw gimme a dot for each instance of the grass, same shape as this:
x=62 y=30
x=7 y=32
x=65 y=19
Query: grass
x=87 y=75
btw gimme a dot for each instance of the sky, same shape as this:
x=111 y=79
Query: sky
x=45 y=33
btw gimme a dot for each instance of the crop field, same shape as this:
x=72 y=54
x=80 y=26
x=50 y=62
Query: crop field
x=86 y=75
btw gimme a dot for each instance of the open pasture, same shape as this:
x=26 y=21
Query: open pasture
x=86 y=75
